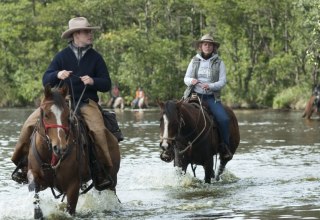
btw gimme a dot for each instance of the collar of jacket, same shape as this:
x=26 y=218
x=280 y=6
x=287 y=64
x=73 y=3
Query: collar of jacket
x=79 y=51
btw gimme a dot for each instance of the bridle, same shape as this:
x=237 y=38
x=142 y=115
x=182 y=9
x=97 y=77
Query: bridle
x=45 y=136
x=182 y=123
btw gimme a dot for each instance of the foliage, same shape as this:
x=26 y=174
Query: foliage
x=290 y=97
x=270 y=48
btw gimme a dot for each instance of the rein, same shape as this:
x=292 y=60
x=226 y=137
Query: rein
x=204 y=127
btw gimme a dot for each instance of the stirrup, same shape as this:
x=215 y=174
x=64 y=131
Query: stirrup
x=104 y=184
x=20 y=177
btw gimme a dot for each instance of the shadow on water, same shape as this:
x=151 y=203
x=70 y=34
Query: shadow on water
x=274 y=174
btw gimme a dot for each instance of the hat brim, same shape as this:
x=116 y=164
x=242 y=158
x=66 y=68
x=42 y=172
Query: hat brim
x=67 y=33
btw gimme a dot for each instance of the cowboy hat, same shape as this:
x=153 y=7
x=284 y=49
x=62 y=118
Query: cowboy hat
x=207 y=38
x=76 y=24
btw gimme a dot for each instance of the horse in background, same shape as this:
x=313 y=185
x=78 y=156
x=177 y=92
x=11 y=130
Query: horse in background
x=61 y=152
x=313 y=105
x=116 y=102
x=189 y=135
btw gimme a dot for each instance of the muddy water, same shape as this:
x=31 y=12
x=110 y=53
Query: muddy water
x=274 y=174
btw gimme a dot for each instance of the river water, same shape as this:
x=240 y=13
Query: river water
x=273 y=175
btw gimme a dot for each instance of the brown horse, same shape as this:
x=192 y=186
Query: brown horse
x=313 y=105
x=190 y=136
x=60 y=155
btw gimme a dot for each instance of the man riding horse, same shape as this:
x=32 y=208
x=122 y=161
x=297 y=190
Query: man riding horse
x=86 y=73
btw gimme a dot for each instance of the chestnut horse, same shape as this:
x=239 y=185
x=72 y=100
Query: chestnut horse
x=313 y=105
x=60 y=155
x=189 y=135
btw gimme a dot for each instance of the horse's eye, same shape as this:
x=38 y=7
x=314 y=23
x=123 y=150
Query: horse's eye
x=46 y=115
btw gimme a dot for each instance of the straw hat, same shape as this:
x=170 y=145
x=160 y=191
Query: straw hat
x=207 y=38
x=76 y=24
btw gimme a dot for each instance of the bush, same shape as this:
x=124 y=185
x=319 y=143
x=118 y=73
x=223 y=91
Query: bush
x=292 y=98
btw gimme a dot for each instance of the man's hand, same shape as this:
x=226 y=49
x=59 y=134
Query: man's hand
x=63 y=74
x=87 y=80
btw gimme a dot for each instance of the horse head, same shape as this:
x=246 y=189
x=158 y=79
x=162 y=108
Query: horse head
x=173 y=145
x=169 y=128
x=55 y=120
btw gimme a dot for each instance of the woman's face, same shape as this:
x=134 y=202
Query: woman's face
x=207 y=48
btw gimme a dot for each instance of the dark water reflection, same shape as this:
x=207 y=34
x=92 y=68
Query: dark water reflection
x=274 y=174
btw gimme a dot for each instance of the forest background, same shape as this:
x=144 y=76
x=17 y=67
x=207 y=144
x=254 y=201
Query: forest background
x=270 y=47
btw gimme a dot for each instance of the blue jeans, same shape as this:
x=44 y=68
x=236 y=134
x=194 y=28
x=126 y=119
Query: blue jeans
x=220 y=116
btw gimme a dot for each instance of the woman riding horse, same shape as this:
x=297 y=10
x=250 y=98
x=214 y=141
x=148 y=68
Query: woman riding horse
x=206 y=75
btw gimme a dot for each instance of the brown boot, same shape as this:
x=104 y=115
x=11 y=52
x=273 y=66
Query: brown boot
x=100 y=176
x=103 y=182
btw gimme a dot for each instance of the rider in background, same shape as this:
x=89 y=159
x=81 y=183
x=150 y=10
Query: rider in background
x=115 y=99
x=83 y=69
x=139 y=100
x=207 y=73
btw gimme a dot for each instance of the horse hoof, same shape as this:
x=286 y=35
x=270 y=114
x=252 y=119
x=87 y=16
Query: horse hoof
x=38 y=213
x=31 y=187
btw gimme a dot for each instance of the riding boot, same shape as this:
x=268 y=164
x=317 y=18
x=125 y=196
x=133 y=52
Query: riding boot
x=21 y=176
x=22 y=147
x=103 y=181
x=225 y=151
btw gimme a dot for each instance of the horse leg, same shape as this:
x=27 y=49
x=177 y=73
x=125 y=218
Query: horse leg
x=72 y=198
x=208 y=171
x=212 y=174
x=194 y=169
x=223 y=163
x=34 y=186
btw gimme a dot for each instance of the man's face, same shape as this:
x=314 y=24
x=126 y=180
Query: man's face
x=83 y=38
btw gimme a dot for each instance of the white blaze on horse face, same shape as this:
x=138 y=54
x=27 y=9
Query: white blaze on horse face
x=165 y=131
x=57 y=112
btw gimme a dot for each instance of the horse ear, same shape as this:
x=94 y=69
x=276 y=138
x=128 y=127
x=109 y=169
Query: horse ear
x=179 y=103
x=160 y=103
x=64 y=90
x=47 y=90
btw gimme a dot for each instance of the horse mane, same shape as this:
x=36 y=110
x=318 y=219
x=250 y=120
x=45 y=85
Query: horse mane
x=56 y=97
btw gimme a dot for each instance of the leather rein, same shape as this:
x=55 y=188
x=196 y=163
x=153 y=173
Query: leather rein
x=182 y=124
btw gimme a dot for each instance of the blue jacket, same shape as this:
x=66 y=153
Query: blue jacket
x=91 y=64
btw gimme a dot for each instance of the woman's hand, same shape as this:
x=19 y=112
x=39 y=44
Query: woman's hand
x=204 y=86
x=194 y=81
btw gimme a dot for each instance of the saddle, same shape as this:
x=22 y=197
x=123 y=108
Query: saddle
x=111 y=124
x=194 y=100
